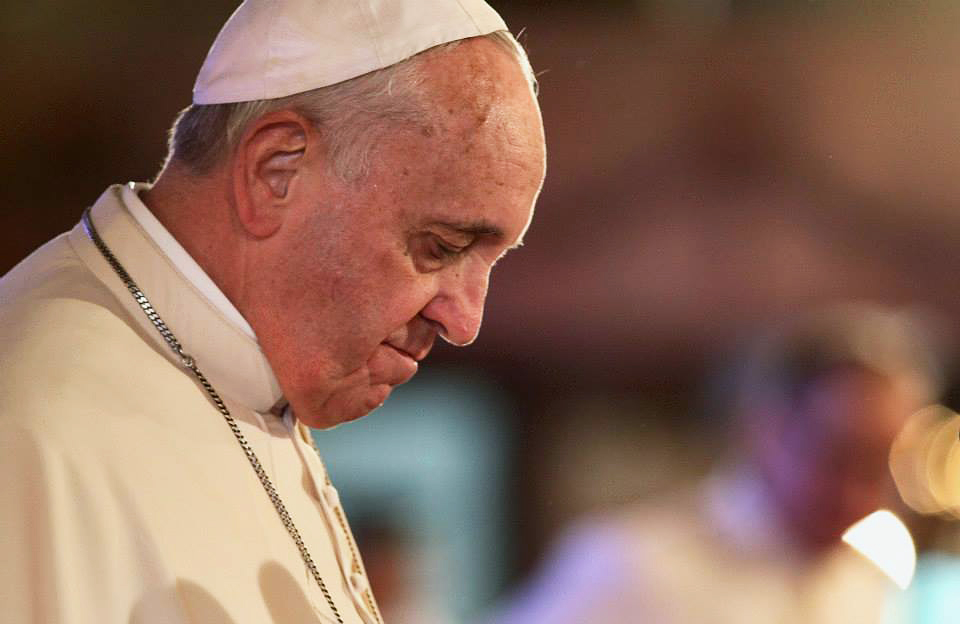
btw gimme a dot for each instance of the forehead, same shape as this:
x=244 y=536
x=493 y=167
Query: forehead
x=469 y=193
x=477 y=159
x=478 y=90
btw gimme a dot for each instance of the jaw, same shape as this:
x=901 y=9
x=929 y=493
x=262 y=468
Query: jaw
x=322 y=406
x=358 y=393
x=341 y=406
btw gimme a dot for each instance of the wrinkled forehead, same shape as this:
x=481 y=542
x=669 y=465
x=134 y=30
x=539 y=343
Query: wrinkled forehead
x=475 y=85
x=477 y=157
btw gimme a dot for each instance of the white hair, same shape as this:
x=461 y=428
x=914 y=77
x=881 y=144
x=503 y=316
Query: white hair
x=352 y=114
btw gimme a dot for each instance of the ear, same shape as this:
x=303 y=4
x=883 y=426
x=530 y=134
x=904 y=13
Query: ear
x=267 y=164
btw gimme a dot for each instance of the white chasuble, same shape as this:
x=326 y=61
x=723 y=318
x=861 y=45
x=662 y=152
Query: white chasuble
x=125 y=496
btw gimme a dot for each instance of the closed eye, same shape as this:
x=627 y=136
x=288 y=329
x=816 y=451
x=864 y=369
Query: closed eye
x=441 y=250
x=433 y=252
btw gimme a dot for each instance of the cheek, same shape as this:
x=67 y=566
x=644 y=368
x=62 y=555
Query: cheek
x=395 y=290
x=375 y=301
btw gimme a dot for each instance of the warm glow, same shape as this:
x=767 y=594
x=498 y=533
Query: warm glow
x=883 y=539
x=925 y=461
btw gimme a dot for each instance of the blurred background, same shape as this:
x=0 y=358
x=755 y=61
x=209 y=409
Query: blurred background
x=713 y=165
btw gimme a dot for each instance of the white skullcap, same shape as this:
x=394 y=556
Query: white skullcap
x=274 y=48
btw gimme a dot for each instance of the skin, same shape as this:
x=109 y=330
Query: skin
x=347 y=284
x=824 y=458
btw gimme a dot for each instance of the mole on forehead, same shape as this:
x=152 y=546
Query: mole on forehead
x=469 y=94
x=459 y=123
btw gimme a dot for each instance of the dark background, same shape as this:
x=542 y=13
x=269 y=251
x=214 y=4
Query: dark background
x=711 y=166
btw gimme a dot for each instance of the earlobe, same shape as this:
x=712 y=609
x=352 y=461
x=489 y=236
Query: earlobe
x=267 y=164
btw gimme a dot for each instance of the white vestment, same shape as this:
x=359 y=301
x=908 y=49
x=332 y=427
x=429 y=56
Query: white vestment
x=717 y=556
x=125 y=496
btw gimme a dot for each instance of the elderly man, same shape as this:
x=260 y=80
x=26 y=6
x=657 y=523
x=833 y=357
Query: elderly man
x=333 y=200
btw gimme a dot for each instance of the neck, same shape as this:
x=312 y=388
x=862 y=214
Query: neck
x=196 y=211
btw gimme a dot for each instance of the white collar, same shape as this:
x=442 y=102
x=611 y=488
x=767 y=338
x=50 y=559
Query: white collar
x=179 y=256
x=229 y=357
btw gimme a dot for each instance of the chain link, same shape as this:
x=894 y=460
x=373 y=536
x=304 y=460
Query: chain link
x=188 y=362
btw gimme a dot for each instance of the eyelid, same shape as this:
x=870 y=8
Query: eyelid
x=436 y=250
x=441 y=249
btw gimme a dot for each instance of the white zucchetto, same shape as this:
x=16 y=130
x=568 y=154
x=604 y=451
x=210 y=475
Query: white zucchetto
x=275 y=48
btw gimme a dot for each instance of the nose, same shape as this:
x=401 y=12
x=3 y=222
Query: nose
x=458 y=305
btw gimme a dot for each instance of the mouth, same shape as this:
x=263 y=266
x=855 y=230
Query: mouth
x=416 y=354
x=403 y=353
x=406 y=366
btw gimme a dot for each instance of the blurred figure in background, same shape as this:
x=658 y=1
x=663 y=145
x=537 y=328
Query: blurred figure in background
x=815 y=407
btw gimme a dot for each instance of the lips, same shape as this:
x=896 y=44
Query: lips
x=405 y=365
x=413 y=350
x=401 y=351
x=404 y=352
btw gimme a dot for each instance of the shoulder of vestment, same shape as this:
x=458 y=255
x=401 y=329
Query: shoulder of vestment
x=72 y=359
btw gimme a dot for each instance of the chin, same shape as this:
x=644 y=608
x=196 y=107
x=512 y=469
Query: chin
x=340 y=408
